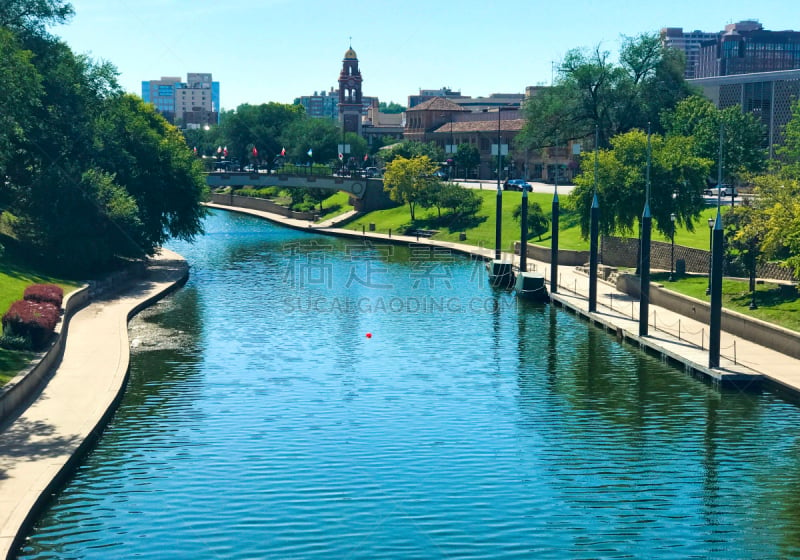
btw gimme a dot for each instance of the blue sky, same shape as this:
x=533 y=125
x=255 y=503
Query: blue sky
x=277 y=50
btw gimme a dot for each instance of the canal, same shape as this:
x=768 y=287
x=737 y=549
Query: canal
x=313 y=397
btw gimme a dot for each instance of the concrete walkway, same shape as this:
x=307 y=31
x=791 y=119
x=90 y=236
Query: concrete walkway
x=43 y=442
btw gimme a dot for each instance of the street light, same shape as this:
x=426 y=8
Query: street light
x=710 y=250
x=672 y=219
x=672 y=250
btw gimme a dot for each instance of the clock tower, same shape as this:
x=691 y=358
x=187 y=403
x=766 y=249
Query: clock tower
x=350 y=106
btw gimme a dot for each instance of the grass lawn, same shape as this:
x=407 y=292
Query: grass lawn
x=335 y=205
x=775 y=305
x=14 y=278
x=481 y=229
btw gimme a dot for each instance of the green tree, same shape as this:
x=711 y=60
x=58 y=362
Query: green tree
x=592 y=91
x=19 y=96
x=262 y=126
x=150 y=159
x=322 y=136
x=789 y=152
x=467 y=157
x=392 y=107
x=743 y=235
x=95 y=175
x=538 y=223
x=776 y=218
x=409 y=149
x=408 y=180
x=677 y=180
x=32 y=16
x=743 y=135
x=460 y=201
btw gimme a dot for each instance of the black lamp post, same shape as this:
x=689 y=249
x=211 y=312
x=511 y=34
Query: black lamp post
x=710 y=250
x=672 y=250
x=498 y=228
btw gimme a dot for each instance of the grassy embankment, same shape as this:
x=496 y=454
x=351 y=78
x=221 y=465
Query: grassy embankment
x=15 y=276
x=480 y=229
x=775 y=305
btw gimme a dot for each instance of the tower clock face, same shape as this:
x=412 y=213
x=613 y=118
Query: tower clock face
x=351 y=82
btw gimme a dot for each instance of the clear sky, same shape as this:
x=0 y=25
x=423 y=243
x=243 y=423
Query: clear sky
x=277 y=50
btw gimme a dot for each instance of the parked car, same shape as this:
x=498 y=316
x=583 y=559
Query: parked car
x=440 y=174
x=518 y=185
x=724 y=190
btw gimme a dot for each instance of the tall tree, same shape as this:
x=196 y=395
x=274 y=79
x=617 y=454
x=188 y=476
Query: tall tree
x=789 y=152
x=777 y=218
x=32 y=16
x=592 y=91
x=743 y=135
x=19 y=96
x=677 y=180
x=412 y=149
x=322 y=136
x=408 y=180
x=261 y=126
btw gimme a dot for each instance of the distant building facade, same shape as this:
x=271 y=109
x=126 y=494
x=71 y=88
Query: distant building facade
x=689 y=43
x=428 y=94
x=321 y=105
x=767 y=95
x=747 y=48
x=190 y=104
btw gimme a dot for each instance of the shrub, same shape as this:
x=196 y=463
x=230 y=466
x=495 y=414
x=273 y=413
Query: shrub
x=14 y=342
x=44 y=293
x=33 y=320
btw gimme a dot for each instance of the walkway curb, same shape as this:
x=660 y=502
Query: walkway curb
x=44 y=445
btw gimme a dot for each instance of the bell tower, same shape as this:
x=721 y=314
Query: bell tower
x=350 y=106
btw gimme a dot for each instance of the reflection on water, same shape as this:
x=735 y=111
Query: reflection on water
x=260 y=421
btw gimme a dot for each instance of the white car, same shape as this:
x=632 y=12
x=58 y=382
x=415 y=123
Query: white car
x=724 y=190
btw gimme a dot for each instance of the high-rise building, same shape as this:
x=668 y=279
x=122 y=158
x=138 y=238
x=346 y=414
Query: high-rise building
x=323 y=104
x=161 y=93
x=746 y=48
x=190 y=104
x=689 y=42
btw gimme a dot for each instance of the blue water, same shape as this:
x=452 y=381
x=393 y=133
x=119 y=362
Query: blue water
x=261 y=422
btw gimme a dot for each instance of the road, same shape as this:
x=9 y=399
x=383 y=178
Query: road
x=546 y=188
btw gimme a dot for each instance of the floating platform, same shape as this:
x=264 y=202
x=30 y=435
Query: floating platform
x=530 y=285
x=501 y=274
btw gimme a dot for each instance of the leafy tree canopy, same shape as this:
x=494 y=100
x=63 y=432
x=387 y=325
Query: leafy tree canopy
x=409 y=180
x=391 y=107
x=743 y=135
x=412 y=149
x=677 y=180
x=32 y=16
x=592 y=91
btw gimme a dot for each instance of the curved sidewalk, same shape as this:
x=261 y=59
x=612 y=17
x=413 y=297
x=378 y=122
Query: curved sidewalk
x=41 y=445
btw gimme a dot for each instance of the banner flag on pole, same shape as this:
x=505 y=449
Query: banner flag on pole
x=255 y=152
x=283 y=151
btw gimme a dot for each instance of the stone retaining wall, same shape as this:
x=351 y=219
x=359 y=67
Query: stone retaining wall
x=766 y=334
x=262 y=204
x=623 y=252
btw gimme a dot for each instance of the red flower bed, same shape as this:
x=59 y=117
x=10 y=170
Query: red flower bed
x=44 y=293
x=33 y=320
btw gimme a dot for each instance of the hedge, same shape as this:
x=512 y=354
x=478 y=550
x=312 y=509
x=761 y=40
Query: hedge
x=44 y=293
x=31 y=319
